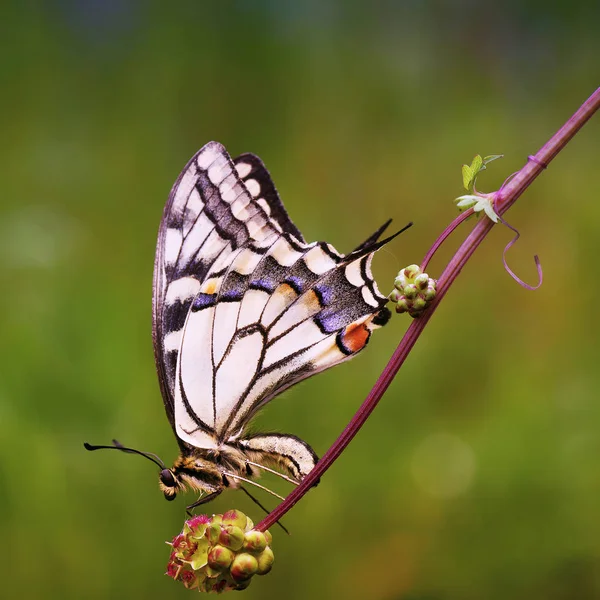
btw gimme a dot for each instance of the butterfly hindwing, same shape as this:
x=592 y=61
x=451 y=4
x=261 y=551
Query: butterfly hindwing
x=317 y=322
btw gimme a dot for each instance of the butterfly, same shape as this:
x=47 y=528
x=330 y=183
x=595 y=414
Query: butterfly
x=244 y=308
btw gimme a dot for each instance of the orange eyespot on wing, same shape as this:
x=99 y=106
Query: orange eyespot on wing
x=353 y=338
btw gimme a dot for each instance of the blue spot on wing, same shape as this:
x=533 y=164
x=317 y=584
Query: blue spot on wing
x=232 y=295
x=324 y=294
x=330 y=321
x=336 y=317
x=264 y=284
x=202 y=301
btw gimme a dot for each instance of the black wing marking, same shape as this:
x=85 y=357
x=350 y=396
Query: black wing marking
x=255 y=176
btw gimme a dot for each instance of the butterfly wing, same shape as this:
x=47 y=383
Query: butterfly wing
x=243 y=307
x=209 y=215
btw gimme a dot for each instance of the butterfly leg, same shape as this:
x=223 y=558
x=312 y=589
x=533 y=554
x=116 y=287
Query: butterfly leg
x=203 y=500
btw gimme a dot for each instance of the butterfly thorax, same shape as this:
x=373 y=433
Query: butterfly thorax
x=209 y=470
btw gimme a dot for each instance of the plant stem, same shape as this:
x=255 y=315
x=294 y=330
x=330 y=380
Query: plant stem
x=504 y=199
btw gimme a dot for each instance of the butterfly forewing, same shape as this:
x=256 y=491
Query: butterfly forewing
x=243 y=307
x=209 y=214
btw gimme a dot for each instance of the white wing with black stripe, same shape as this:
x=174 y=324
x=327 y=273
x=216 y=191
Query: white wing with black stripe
x=243 y=306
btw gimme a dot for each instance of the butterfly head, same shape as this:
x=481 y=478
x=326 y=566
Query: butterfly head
x=169 y=484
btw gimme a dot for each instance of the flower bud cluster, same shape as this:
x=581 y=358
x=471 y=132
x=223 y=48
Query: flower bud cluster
x=413 y=291
x=219 y=553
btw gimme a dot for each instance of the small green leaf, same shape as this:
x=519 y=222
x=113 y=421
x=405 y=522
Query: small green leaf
x=476 y=164
x=492 y=157
x=467 y=175
x=470 y=172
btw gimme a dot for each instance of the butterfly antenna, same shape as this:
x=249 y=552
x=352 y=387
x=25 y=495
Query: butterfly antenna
x=118 y=446
x=262 y=487
x=255 y=500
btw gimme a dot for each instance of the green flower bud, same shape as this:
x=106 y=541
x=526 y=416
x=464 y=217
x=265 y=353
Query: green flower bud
x=419 y=304
x=268 y=537
x=254 y=541
x=429 y=293
x=395 y=295
x=422 y=281
x=232 y=537
x=402 y=305
x=234 y=517
x=243 y=567
x=265 y=561
x=411 y=271
x=219 y=558
x=400 y=282
x=410 y=291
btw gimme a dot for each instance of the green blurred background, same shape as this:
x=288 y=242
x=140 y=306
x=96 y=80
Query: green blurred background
x=477 y=476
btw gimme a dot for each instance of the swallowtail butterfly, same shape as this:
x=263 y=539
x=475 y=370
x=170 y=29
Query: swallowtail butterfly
x=243 y=308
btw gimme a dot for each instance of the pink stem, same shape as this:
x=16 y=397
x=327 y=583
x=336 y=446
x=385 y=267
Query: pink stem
x=505 y=198
x=444 y=235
